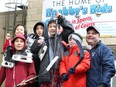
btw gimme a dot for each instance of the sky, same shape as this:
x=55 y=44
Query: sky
x=3 y=4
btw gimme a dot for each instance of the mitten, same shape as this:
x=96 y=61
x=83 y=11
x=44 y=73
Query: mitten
x=64 y=77
x=71 y=71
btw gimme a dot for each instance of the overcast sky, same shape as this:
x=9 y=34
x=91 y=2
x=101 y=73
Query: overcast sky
x=4 y=8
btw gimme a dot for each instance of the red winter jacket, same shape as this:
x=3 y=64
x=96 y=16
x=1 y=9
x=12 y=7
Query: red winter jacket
x=78 y=79
x=6 y=44
x=21 y=71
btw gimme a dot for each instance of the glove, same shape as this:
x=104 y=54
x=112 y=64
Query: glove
x=102 y=85
x=8 y=54
x=64 y=77
x=71 y=71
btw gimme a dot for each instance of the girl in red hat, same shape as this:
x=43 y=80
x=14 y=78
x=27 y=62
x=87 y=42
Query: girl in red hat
x=21 y=71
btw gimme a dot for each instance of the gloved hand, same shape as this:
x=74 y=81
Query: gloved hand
x=71 y=71
x=64 y=77
x=102 y=85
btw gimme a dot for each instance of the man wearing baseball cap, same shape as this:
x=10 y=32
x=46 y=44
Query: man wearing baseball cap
x=102 y=67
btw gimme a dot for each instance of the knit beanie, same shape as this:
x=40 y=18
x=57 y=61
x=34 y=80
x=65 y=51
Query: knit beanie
x=76 y=36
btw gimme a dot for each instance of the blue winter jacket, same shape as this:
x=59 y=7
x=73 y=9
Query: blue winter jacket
x=102 y=66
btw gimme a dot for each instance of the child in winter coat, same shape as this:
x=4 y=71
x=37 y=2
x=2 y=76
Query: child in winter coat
x=74 y=77
x=38 y=47
x=21 y=71
x=55 y=48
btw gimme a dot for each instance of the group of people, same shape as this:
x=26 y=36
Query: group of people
x=30 y=56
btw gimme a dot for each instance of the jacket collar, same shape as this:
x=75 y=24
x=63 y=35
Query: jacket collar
x=98 y=43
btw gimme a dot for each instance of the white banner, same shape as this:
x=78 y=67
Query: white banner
x=84 y=13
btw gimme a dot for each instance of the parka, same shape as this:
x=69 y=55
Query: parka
x=21 y=71
x=102 y=67
x=70 y=58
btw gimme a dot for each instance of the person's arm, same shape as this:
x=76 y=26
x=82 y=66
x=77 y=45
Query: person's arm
x=31 y=72
x=108 y=67
x=68 y=28
x=62 y=67
x=7 y=41
x=2 y=75
x=84 y=64
x=35 y=47
x=6 y=44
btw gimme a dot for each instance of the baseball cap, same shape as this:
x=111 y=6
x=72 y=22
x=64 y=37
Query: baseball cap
x=93 y=28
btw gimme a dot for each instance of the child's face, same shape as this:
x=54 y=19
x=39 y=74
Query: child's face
x=51 y=29
x=71 y=42
x=19 y=30
x=19 y=44
x=39 y=30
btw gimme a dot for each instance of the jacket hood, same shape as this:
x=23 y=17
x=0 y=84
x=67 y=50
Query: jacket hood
x=45 y=32
x=35 y=26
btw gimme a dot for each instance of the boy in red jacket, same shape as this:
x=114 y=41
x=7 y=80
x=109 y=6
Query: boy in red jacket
x=21 y=71
x=74 y=77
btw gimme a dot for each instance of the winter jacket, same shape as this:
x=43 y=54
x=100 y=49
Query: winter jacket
x=70 y=58
x=35 y=47
x=21 y=71
x=102 y=66
x=7 y=43
x=67 y=30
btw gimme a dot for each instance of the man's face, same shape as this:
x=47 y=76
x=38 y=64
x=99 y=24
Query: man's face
x=92 y=37
x=39 y=30
x=51 y=29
